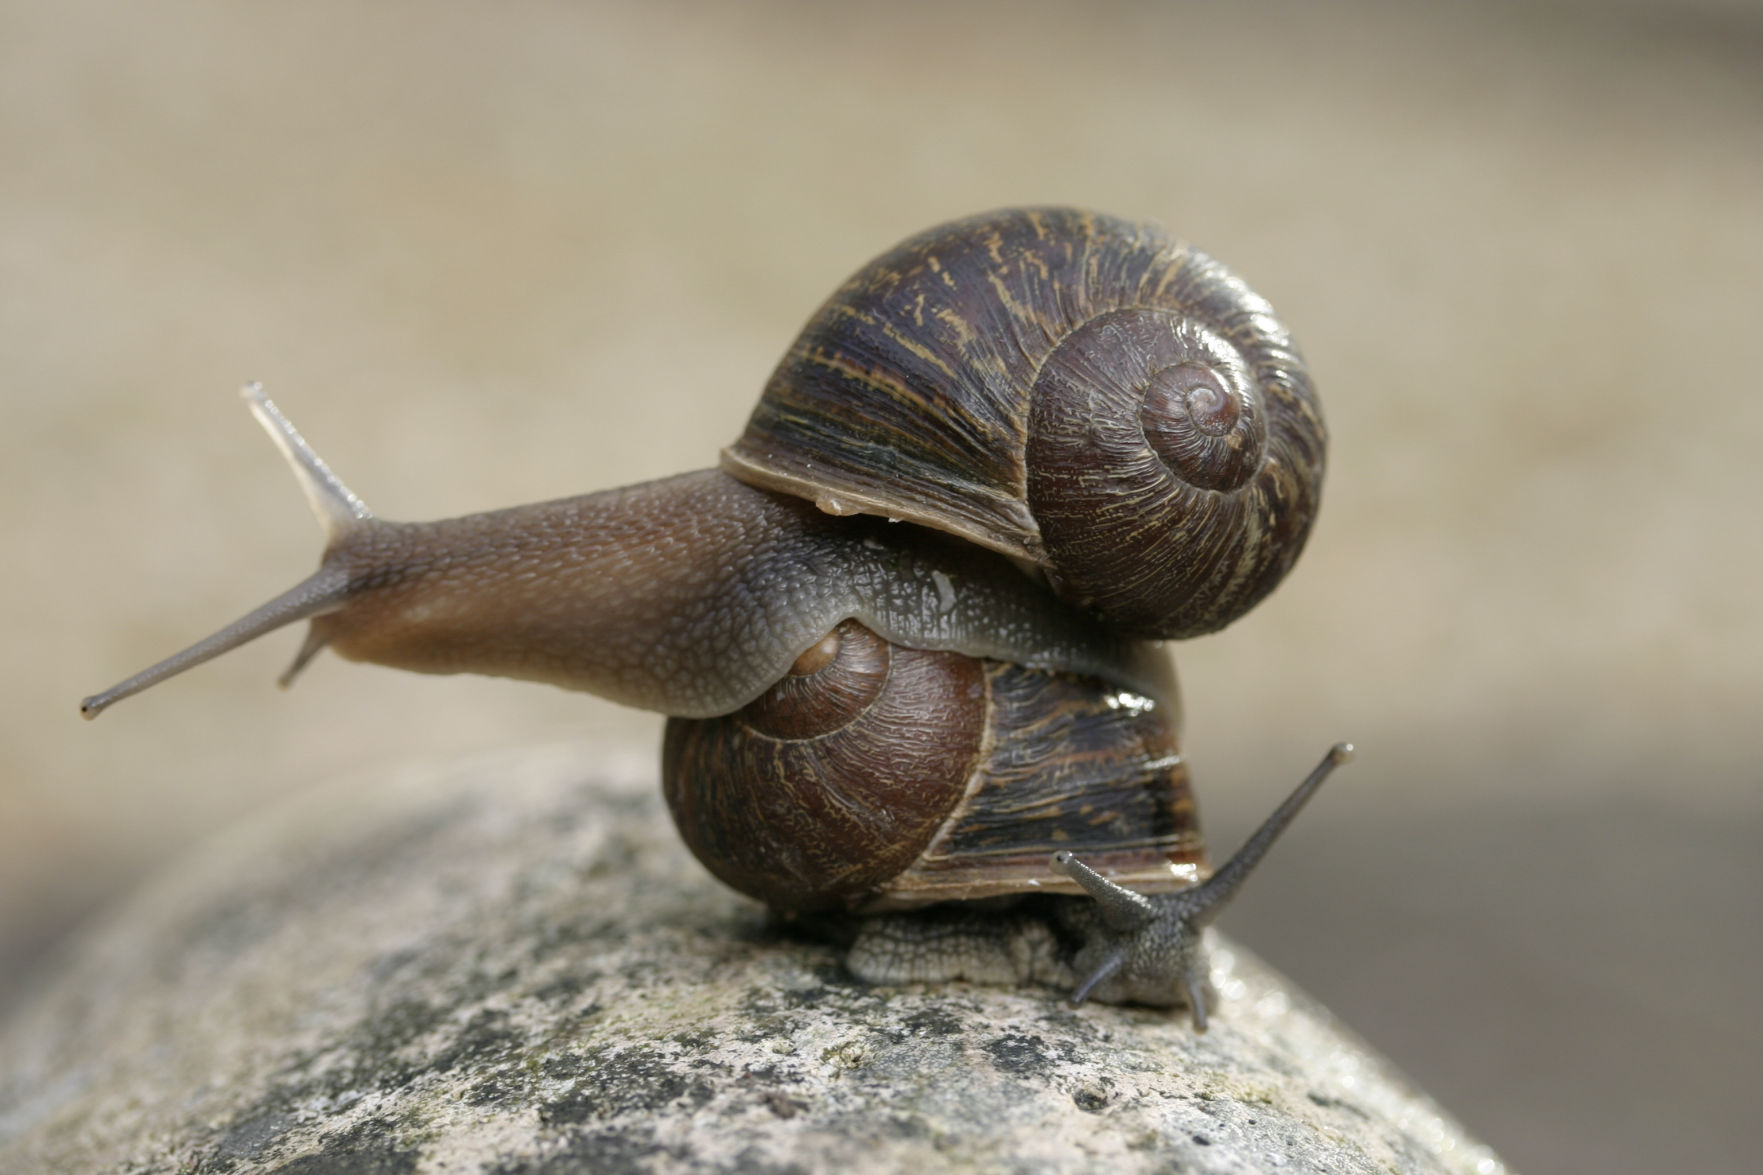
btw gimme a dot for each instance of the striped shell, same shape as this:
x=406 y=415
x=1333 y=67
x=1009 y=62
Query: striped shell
x=1071 y=389
x=875 y=776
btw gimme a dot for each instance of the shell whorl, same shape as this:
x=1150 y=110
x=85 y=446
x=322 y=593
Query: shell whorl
x=835 y=779
x=875 y=776
x=1068 y=388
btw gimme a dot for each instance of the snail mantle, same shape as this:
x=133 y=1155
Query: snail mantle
x=510 y=964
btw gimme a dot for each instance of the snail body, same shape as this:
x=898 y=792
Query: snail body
x=905 y=634
x=689 y=596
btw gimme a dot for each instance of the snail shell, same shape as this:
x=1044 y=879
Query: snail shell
x=1076 y=391
x=875 y=776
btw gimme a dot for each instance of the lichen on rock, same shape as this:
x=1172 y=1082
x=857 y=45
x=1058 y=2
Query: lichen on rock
x=510 y=965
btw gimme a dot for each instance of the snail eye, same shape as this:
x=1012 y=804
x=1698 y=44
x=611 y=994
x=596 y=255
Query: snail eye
x=827 y=687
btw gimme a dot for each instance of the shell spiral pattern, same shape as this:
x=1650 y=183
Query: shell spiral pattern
x=1071 y=389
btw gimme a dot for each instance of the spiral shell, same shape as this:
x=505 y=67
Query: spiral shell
x=1070 y=389
x=875 y=776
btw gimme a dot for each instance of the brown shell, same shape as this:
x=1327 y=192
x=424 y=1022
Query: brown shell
x=1068 y=388
x=886 y=777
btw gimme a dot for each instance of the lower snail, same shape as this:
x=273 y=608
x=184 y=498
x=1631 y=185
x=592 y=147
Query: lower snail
x=906 y=634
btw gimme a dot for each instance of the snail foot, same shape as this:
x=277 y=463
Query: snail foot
x=943 y=943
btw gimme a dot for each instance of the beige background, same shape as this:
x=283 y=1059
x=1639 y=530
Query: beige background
x=495 y=252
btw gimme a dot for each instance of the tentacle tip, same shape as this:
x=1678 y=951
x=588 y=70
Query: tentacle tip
x=253 y=390
x=1062 y=860
x=91 y=707
x=1341 y=753
x=1097 y=977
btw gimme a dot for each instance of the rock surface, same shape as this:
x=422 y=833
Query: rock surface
x=510 y=965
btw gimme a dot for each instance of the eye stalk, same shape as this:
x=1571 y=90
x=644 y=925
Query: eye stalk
x=1146 y=949
x=340 y=512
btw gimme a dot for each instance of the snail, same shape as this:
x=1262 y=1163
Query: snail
x=906 y=633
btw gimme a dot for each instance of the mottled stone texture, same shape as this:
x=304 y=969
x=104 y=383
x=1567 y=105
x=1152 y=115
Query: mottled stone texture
x=509 y=965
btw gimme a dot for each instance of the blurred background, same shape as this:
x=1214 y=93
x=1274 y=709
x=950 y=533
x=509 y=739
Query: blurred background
x=488 y=253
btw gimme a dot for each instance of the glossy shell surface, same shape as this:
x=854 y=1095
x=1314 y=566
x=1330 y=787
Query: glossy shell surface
x=884 y=777
x=1071 y=389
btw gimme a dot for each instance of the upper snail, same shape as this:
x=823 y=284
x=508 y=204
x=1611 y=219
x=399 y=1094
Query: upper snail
x=1077 y=392
x=1069 y=389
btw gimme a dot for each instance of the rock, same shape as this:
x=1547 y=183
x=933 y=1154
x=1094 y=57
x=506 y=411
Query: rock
x=510 y=965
